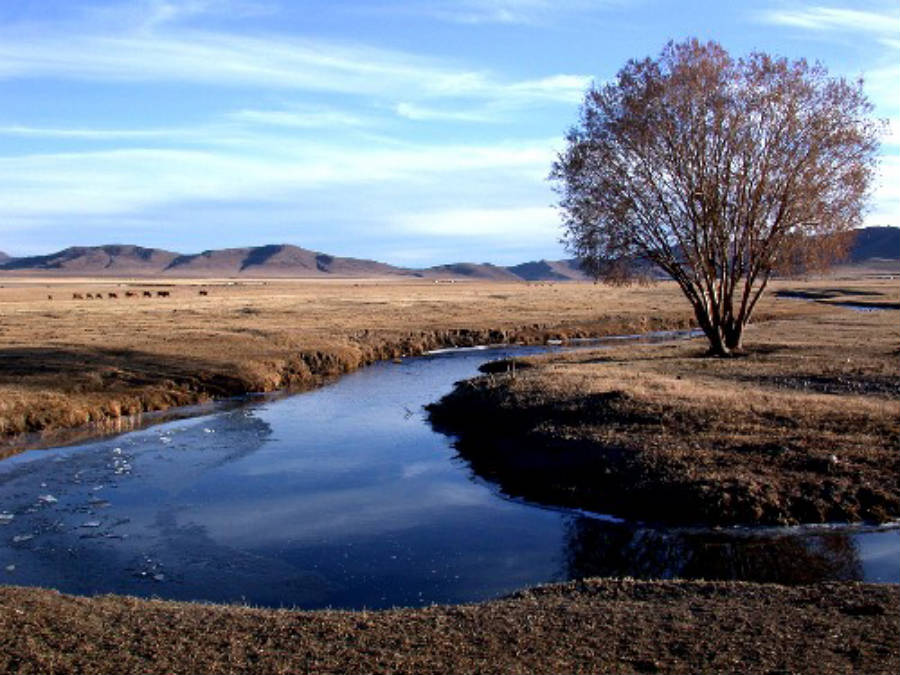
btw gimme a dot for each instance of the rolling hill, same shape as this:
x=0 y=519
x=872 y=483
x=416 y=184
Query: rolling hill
x=876 y=243
x=879 y=245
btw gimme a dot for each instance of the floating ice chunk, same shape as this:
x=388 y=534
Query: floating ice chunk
x=159 y=577
x=91 y=523
x=10 y=568
x=6 y=518
x=22 y=537
x=117 y=451
x=208 y=431
x=47 y=499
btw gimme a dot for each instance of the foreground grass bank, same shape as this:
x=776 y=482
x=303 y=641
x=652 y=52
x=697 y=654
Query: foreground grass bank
x=595 y=626
x=803 y=428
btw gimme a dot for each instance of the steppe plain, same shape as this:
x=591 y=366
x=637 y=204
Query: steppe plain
x=87 y=366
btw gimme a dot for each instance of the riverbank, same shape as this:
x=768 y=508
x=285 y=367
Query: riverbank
x=66 y=363
x=594 y=626
x=803 y=429
x=89 y=364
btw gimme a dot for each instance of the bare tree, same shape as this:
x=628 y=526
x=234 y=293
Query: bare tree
x=718 y=171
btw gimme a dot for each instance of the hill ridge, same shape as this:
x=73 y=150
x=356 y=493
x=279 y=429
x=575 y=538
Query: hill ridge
x=879 y=244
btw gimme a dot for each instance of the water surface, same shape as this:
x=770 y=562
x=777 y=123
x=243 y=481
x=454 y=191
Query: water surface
x=346 y=497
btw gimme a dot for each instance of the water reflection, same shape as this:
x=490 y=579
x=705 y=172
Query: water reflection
x=599 y=548
x=342 y=497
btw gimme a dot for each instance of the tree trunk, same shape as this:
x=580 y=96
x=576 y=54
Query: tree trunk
x=734 y=337
x=725 y=335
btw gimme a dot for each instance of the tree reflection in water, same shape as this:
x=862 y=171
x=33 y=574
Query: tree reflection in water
x=596 y=548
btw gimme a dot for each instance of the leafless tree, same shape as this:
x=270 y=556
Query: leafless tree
x=719 y=171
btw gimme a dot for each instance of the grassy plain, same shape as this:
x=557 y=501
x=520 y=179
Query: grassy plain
x=68 y=362
x=803 y=428
x=815 y=371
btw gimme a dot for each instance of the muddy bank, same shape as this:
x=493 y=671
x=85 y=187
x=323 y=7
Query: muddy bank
x=93 y=389
x=593 y=626
x=667 y=436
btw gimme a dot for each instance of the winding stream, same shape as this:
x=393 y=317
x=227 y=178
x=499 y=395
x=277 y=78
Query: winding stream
x=345 y=497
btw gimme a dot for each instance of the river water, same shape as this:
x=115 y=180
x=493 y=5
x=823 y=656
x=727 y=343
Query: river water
x=345 y=497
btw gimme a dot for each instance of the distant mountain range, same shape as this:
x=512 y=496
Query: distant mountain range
x=276 y=260
x=876 y=243
x=285 y=260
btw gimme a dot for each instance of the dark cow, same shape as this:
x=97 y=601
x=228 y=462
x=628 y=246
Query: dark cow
x=130 y=294
x=89 y=296
x=162 y=294
x=112 y=296
x=77 y=296
x=148 y=294
x=202 y=292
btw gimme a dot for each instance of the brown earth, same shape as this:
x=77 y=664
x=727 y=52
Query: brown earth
x=803 y=428
x=594 y=626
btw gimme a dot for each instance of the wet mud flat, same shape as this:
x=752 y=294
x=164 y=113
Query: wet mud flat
x=593 y=626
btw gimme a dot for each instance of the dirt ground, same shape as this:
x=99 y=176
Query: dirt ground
x=803 y=428
x=608 y=626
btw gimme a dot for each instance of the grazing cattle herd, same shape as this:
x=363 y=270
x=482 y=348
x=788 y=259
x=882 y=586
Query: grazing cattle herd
x=111 y=295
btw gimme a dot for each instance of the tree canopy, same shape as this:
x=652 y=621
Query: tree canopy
x=719 y=171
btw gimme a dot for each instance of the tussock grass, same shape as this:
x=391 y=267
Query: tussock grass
x=804 y=428
x=595 y=626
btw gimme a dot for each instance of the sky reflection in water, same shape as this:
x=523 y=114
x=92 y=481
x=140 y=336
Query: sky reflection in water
x=345 y=497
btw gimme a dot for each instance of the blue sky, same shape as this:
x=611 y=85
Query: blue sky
x=415 y=133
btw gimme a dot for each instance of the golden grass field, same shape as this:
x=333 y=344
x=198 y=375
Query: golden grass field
x=814 y=371
x=66 y=363
x=803 y=428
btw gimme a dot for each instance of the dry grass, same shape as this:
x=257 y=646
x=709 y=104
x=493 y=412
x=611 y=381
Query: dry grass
x=66 y=362
x=63 y=361
x=609 y=626
x=803 y=428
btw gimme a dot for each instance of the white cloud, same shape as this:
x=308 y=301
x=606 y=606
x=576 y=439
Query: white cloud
x=419 y=113
x=526 y=222
x=525 y=12
x=886 y=195
x=273 y=61
x=820 y=18
x=305 y=118
x=91 y=134
x=274 y=169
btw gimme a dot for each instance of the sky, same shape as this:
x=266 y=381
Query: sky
x=415 y=133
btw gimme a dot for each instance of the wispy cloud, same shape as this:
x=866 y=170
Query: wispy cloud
x=273 y=61
x=92 y=134
x=151 y=14
x=527 y=222
x=116 y=181
x=881 y=25
x=303 y=118
x=522 y=12
x=419 y=113
x=887 y=193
